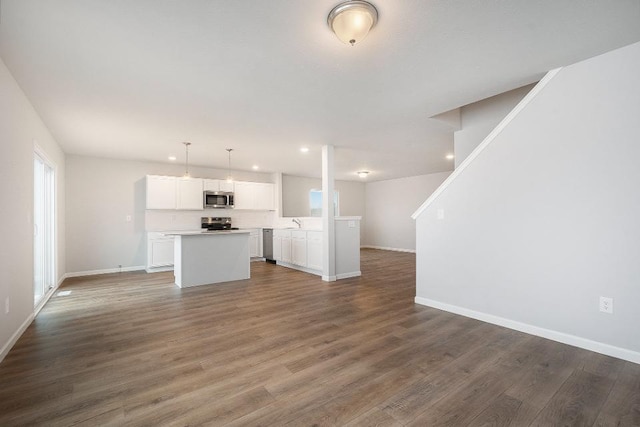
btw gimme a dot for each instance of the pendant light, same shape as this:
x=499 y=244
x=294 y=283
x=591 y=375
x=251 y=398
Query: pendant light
x=229 y=177
x=186 y=165
x=352 y=20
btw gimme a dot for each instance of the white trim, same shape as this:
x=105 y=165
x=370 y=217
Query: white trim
x=488 y=140
x=48 y=295
x=587 y=344
x=157 y=269
x=14 y=338
x=105 y=271
x=348 y=275
x=384 y=248
x=299 y=268
x=329 y=278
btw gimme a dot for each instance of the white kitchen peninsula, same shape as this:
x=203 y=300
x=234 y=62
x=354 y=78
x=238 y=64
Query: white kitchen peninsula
x=205 y=257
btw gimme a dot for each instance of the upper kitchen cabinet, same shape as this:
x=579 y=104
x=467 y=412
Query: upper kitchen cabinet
x=189 y=194
x=161 y=192
x=254 y=196
x=170 y=192
x=217 y=185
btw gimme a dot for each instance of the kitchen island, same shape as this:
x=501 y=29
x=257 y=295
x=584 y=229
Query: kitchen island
x=206 y=257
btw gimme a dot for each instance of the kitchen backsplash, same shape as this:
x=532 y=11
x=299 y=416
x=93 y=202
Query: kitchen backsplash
x=156 y=220
x=190 y=220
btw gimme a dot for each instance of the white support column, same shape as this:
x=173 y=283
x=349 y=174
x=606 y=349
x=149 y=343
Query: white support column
x=277 y=179
x=328 y=215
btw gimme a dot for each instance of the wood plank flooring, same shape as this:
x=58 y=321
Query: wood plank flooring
x=286 y=349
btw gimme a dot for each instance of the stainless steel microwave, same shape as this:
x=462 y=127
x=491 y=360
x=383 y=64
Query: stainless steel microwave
x=218 y=200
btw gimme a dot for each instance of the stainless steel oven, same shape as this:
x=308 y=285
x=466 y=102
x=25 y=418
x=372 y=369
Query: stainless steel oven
x=218 y=200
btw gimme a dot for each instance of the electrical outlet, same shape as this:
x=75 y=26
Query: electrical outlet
x=6 y=306
x=127 y=218
x=606 y=305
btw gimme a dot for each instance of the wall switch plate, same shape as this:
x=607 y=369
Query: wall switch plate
x=440 y=213
x=606 y=305
x=6 y=306
x=128 y=218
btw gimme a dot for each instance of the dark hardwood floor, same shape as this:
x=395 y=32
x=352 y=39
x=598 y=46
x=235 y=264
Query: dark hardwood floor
x=285 y=348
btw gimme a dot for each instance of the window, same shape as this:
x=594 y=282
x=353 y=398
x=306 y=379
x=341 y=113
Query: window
x=315 y=203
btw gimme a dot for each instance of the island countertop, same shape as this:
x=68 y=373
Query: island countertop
x=205 y=232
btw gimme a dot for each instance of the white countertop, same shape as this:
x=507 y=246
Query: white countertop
x=205 y=232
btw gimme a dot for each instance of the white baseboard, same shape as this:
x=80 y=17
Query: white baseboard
x=299 y=268
x=158 y=269
x=14 y=338
x=384 y=248
x=329 y=278
x=105 y=271
x=598 y=347
x=348 y=275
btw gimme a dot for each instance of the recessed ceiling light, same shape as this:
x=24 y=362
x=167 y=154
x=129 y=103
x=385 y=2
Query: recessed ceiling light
x=172 y=158
x=363 y=174
x=304 y=149
x=255 y=167
x=449 y=156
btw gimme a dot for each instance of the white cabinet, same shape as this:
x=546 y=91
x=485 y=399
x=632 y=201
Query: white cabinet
x=314 y=250
x=189 y=194
x=299 y=248
x=159 y=251
x=217 y=185
x=255 y=243
x=161 y=192
x=244 y=195
x=254 y=196
x=277 y=246
x=170 y=192
x=282 y=245
x=226 y=186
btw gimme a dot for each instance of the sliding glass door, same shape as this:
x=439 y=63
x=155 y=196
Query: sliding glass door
x=43 y=227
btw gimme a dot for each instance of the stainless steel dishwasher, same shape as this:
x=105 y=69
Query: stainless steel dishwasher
x=267 y=245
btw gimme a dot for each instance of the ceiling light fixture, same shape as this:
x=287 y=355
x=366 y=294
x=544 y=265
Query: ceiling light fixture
x=186 y=164
x=172 y=158
x=255 y=167
x=363 y=174
x=352 y=20
x=304 y=150
x=449 y=156
x=229 y=177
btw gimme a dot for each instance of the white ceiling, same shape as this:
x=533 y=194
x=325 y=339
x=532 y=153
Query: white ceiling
x=133 y=79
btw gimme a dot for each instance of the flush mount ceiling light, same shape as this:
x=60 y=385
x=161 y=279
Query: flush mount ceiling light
x=449 y=156
x=363 y=174
x=186 y=164
x=304 y=150
x=172 y=158
x=229 y=177
x=351 y=21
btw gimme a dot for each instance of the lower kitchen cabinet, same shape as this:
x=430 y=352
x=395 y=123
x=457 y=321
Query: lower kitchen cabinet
x=299 y=248
x=314 y=250
x=159 y=252
x=255 y=243
x=282 y=245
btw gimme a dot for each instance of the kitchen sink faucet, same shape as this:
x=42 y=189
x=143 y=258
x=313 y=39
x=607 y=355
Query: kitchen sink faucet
x=297 y=221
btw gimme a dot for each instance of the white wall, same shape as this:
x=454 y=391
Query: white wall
x=389 y=205
x=546 y=219
x=20 y=126
x=477 y=120
x=102 y=192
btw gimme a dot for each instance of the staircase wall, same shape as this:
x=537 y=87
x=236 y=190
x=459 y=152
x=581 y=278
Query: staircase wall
x=544 y=218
